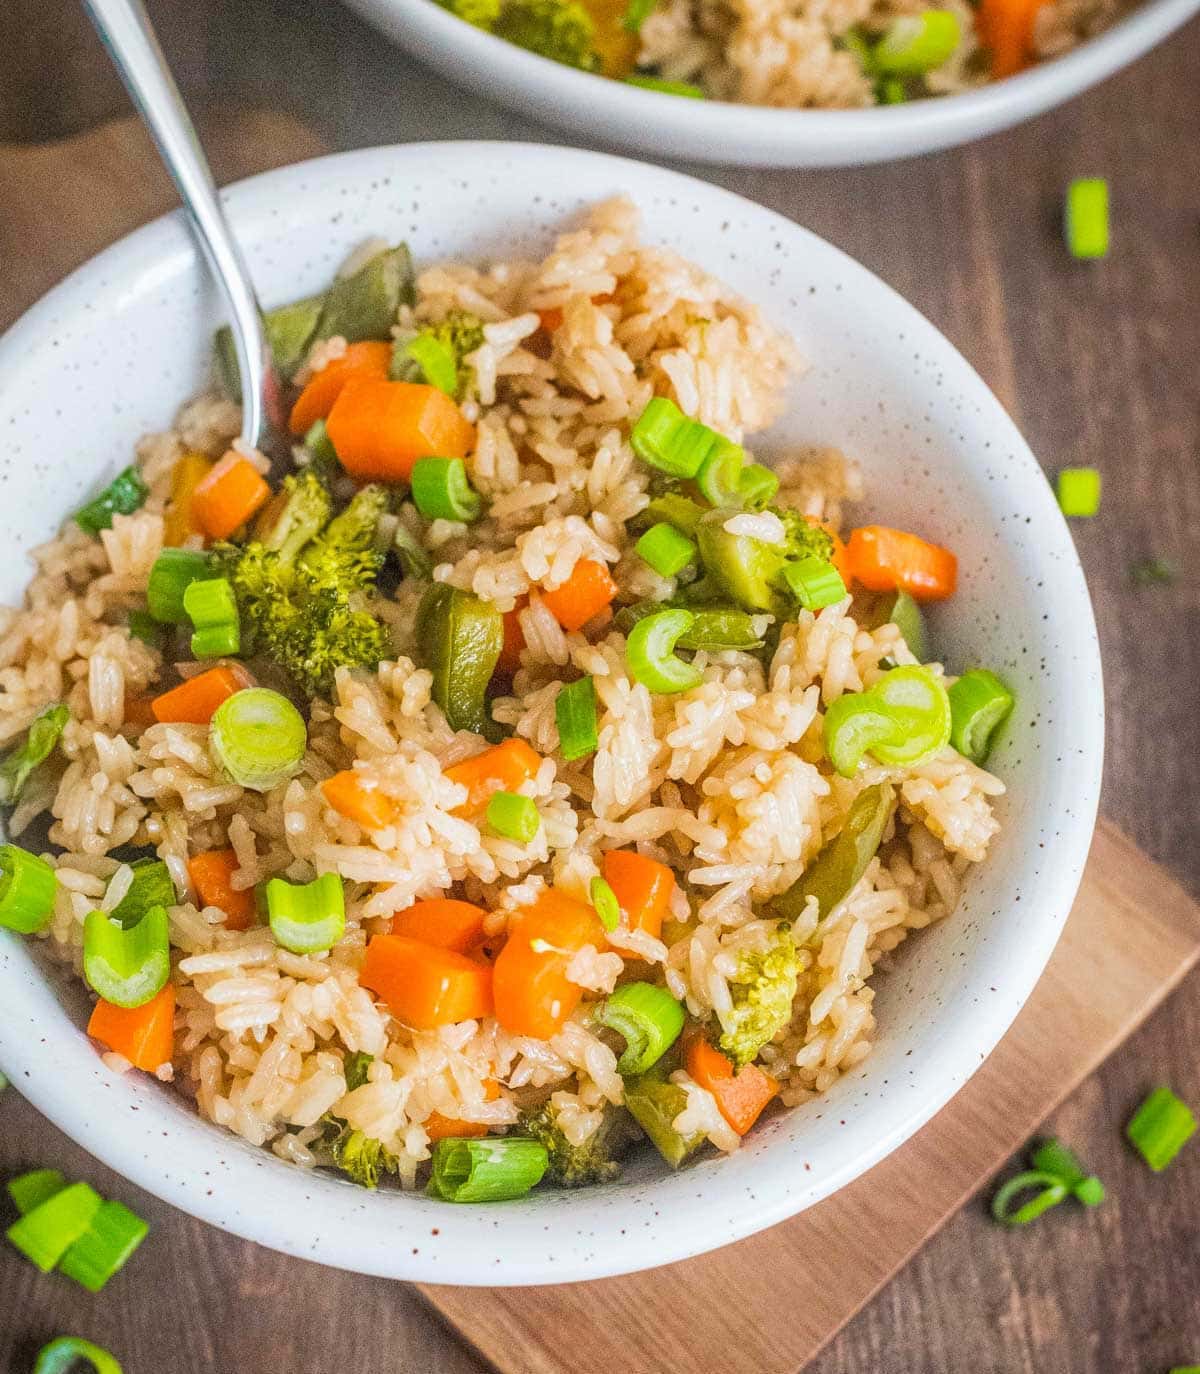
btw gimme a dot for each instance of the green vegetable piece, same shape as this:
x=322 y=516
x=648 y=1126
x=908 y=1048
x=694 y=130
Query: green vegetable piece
x=441 y=491
x=307 y=918
x=668 y=440
x=915 y=44
x=1047 y=1190
x=891 y=91
x=1085 y=218
x=44 y=734
x=1052 y=1157
x=636 y=14
x=123 y=495
x=258 y=737
x=650 y=652
x=438 y=353
x=289 y=330
x=576 y=718
x=665 y=549
x=320 y=445
x=1147 y=572
x=152 y=886
x=213 y=610
x=903 y=720
x=979 y=704
x=27 y=888
x=814 y=583
x=513 y=817
x=359 y=1156
x=365 y=304
x=649 y=1019
x=854 y=724
x=481 y=13
x=757 y=486
x=143 y=626
x=673 y=509
x=460 y=639
x=665 y=87
x=762 y=987
x=435 y=361
x=126 y=965
x=112 y=1236
x=355 y=1068
x=45 y=1234
x=714 y=629
x=655 y=1103
x=906 y=615
x=414 y=557
x=604 y=903
x=1160 y=1128
x=743 y=568
x=173 y=572
x=62 y=1356
x=561 y=30
x=840 y=863
x=32 y=1189
x=1079 y=492
x=295 y=515
x=720 y=474
x=597 y=1160
x=489 y=1170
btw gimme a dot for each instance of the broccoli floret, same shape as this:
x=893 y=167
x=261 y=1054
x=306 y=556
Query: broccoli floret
x=561 y=30
x=482 y=13
x=597 y=1160
x=296 y=514
x=298 y=605
x=803 y=538
x=458 y=334
x=748 y=569
x=762 y=989
x=359 y=1156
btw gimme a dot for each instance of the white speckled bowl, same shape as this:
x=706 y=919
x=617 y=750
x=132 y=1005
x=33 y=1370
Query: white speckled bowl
x=111 y=353
x=593 y=107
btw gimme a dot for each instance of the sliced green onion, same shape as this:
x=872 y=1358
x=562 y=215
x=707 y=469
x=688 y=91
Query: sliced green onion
x=756 y=486
x=152 y=886
x=575 y=716
x=32 y=1189
x=212 y=608
x=126 y=965
x=680 y=511
x=307 y=918
x=720 y=474
x=62 y=1356
x=354 y=1069
x=45 y=1234
x=916 y=44
x=123 y=495
x=44 y=734
x=891 y=91
x=979 y=704
x=604 y=902
x=814 y=582
x=665 y=549
x=1177 y=1369
x=650 y=1020
x=917 y=700
x=143 y=626
x=1050 y=1191
x=489 y=1170
x=1160 y=1128
x=436 y=362
x=113 y=1234
x=1085 y=217
x=1079 y=491
x=854 y=724
x=650 y=652
x=1052 y=1157
x=441 y=490
x=636 y=14
x=320 y=445
x=173 y=570
x=513 y=816
x=27 y=887
x=717 y=629
x=664 y=87
x=258 y=737
x=665 y=438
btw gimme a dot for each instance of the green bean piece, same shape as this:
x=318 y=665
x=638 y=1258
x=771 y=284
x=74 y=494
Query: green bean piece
x=843 y=860
x=364 y=305
x=677 y=510
x=460 y=638
x=289 y=328
x=654 y=1102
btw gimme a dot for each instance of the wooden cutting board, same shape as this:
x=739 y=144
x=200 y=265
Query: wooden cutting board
x=767 y=1304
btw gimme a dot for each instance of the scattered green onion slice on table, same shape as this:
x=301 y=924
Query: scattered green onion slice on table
x=1078 y=491
x=123 y=495
x=1160 y=1128
x=39 y=744
x=513 y=816
x=668 y=440
x=170 y=576
x=63 y=1356
x=814 y=582
x=258 y=737
x=436 y=362
x=720 y=474
x=575 y=716
x=307 y=918
x=32 y=1189
x=152 y=885
x=650 y=652
x=665 y=549
x=27 y=887
x=1147 y=572
x=1048 y=1191
x=1085 y=217
x=756 y=486
x=979 y=704
x=917 y=43
x=112 y=1235
x=490 y=1170
x=441 y=490
x=212 y=609
x=1053 y=1157
x=604 y=903
x=665 y=87
x=46 y=1233
x=649 y=1019
x=126 y=965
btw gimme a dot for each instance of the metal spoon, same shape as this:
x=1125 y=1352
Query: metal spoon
x=130 y=40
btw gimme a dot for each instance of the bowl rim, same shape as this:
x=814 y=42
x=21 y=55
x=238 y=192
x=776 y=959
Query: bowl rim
x=728 y=132
x=276 y=1218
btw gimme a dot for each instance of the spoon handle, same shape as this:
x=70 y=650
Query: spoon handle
x=130 y=40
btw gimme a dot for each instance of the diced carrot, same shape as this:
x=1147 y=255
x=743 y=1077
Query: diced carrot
x=502 y=768
x=438 y=1127
x=379 y=429
x=368 y=359
x=887 y=560
x=514 y=640
x=442 y=921
x=642 y=886
x=227 y=496
x=144 y=1035
x=194 y=701
x=187 y=474
x=212 y=877
x=532 y=993
x=551 y=318
x=426 y=987
x=1005 y=28
x=356 y=799
x=741 y=1096
x=585 y=593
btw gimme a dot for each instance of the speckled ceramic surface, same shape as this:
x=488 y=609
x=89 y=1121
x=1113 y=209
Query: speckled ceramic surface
x=593 y=107
x=115 y=349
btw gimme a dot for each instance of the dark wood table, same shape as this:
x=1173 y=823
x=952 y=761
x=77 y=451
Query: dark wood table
x=1099 y=364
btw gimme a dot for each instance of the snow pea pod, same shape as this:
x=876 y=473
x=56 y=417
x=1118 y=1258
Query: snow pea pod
x=654 y=1102
x=460 y=638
